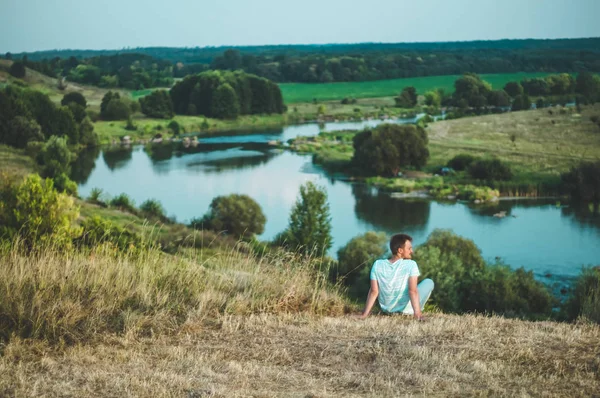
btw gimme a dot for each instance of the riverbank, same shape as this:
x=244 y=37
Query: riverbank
x=538 y=145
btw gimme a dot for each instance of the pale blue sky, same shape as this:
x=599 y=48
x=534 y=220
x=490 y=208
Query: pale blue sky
x=30 y=25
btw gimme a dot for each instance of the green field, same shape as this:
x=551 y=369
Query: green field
x=305 y=92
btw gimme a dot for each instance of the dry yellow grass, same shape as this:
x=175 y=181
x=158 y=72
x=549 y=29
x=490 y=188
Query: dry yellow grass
x=308 y=356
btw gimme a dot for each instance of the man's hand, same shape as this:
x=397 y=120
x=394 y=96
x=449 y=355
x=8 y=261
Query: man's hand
x=419 y=317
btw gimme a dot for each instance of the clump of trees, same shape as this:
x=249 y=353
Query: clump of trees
x=582 y=182
x=490 y=169
x=385 y=149
x=113 y=107
x=158 y=104
x=30 y=116
x=407 y=98
x=236 y=215
x=226 y=95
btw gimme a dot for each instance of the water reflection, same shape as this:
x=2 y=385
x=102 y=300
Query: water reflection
x=388 y=213
x=116 y=157
x=585 y=214
x=85 y=163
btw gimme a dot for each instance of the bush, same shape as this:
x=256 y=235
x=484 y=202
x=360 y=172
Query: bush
x=124 y=202
x=237 y=215
x=490 y=169
x=96 y=231
x=17 y=69
x=464 y=282
x=74 y=97
x=55 y=157
x=21 y=131
x=354 y=262
x=116 y=109
x=34 y=212
x=153 y=208
x=174 y=127
x=95 y=196
x=64 y=184
x=584 y=300
x=461 y=162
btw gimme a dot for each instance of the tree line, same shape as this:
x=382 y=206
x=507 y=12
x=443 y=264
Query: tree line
x=152 y=67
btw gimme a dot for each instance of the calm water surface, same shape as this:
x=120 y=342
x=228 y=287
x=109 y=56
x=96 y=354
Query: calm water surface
x=538 y=235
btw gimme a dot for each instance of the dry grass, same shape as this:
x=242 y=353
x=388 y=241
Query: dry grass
x=544 y=143
x=15 y=162
x=302 y=356
x=72 y=295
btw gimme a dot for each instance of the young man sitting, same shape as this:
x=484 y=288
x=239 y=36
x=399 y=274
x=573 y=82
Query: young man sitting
x=394 y=282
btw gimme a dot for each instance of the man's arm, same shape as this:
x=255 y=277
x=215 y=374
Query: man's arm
x=373 y=293
x=413 y=293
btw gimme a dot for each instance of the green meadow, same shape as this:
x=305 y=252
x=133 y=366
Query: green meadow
x=306 y=92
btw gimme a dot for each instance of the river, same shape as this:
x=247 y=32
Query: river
x=553 y=240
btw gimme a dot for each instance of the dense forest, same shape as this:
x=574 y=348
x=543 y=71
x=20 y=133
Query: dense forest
x=157 y=66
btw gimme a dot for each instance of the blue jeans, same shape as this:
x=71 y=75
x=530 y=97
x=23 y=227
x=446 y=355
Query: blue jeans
x=424 y=288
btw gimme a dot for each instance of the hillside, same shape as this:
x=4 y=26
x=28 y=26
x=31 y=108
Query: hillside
x=292 y=355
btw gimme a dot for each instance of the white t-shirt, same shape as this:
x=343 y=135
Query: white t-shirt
x=393 y=282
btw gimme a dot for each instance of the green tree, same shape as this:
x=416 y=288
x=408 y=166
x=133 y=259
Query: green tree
x=407 y=98
x=20 y=131
x=521 y=103
x=588 y=85
x=584 y=299
x=87 y=135
x=561 y=84
x=224 y=103
x=309 y=229
x=35 y=212
x=499 y=98
x=158 y=104
x=471 y=91
x=55 y=157
x=153 y=208
x=513 y=89
x=387 y=148
x=433 y=98
x=74 y=97
x=237 y=215
x=116 y=109
x=17 y=69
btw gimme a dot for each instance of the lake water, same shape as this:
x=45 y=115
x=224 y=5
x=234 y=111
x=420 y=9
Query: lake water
x=551 y=239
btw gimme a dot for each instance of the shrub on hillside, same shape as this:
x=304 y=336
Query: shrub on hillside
x=97 y=231
x=490 y=169
x=124 y=202
x=236 y=215
x=584 y=300
x=36 y=213
x=21 y=131
x=55 y=157
x=355 y=260
x=113 y=107
x=153 y=208
x=461 y=162
x=74 y=97
x=17 y=69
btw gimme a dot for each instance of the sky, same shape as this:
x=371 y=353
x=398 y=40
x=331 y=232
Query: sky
x=33 y=25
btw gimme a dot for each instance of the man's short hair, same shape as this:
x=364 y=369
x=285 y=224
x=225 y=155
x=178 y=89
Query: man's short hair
x=398 y=242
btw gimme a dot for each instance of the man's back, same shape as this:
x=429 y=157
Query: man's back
x=393 y=282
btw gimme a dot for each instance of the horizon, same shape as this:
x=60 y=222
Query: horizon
x=234 y=46
x=66 y=24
